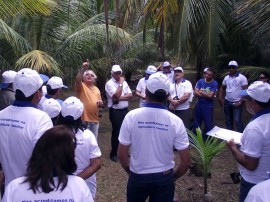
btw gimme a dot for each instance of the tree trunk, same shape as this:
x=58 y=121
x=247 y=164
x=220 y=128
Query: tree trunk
x=205 y=184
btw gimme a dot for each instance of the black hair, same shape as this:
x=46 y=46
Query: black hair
x=69 y=121
x=19 y=95
x=52 y=156
x=266 y=74
x=263 y=105
x=51 y=91
x=211 y=70
x=159 y=95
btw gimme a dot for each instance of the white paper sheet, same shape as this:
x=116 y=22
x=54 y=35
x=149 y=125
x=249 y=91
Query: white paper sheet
x=225 y=134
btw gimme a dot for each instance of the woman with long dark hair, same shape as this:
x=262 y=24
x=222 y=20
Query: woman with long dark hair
x=49 y=172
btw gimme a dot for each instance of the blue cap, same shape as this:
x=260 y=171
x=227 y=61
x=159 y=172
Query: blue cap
x=44 y=77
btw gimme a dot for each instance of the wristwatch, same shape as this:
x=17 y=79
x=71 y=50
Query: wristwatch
x=120 y=85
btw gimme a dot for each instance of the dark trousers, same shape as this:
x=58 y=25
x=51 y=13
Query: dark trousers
x=116 y=117
x=184 y=115
x=244 y=189
x=233 y=114
x=159 y=187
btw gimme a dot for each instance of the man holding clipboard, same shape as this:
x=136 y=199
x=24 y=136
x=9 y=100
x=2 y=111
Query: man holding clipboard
x=253 y=156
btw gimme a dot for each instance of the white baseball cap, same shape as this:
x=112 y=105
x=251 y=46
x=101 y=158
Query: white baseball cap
x=73 y=107
x=56 y=82
x=51 y=107
x=28 y=81
x=116 y=68
x=7 y=78
x=151 y=69
x=233 y=63
x=166 y=64
x=158 y=81
x=179 y=69
x=258 y=90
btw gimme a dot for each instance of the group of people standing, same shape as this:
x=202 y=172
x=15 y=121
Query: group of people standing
x=50 y=146
x=47 y=152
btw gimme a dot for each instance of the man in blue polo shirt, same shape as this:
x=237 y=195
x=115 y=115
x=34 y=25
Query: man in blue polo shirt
x=205 y=90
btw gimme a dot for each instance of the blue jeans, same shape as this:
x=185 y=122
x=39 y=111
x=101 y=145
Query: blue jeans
x=93 y=127
x=233 y=114
x=244 y=189
x=159 y=187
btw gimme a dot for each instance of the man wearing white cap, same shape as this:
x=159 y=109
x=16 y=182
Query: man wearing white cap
x=166 y=69
x=181 y=94
x=253 y=155
x=147 y=138
x=232 y=84
x=22 y=124
x=118 y=93
x=54 y=90
x=141 y=86
x=7 y=95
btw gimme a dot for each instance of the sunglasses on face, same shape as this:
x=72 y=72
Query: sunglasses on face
x=262 y=77
x=117 y=73
x=232 y=67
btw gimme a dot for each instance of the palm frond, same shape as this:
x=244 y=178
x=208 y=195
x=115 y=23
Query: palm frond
x=28 y=7
x=4 y=65
x=40 y=61
x=207 y=150
x=253 y=16
x=16 y=41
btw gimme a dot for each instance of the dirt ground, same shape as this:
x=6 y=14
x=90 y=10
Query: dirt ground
x=112 y=179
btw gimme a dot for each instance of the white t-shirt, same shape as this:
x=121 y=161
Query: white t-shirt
x=111 y=87
x=170 y=75
x=259 y=193
x=87 y=148
x=256 y=143
x=75 y=191
x=141 y=87
x=20 y=128
x=179 y=90
x=234 y=86
x=152 y=133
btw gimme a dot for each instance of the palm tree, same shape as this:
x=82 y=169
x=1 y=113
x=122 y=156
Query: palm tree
x=206 y=151
x=163 y=11
x=203 y=27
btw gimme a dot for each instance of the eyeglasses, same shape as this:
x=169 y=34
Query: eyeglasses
x=88 y=74
x=262 y=77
